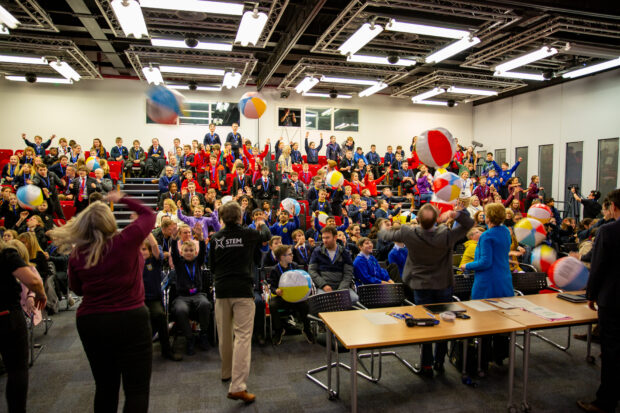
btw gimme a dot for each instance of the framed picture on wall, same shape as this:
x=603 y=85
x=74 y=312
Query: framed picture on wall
x=289 y=117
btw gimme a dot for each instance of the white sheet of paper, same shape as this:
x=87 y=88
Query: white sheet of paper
x=380 y=318
x=542 y=312
x=479 y=305
x=501 y=304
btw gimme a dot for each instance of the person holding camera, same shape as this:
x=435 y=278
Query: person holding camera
x=591 y=207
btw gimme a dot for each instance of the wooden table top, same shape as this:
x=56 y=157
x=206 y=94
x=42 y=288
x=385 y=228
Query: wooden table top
x=354 y=330
x=578 y=312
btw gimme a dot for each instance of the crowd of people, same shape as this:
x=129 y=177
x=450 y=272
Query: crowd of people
x=379 y=227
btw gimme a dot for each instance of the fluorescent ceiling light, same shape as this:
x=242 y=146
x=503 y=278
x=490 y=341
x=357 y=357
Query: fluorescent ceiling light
x=153 y=75
x=4 y=30
x=379 y=60
x=7 y=19
x=192 y=70
x=231 y=80
x=225 y=47
x=342 y=126
x=64 y=69
x=433 y=102
x=360 y=38
x=423 y=29
x=452 y=49
x=198 y=88
x=305 y=85
x=541 y=53
x=373 y=89
x=212 y=7
x=41 y=79
x=325 y=95
x=250 y=28
x=592 y=69
x=130 y=17
x=28 y=60
x=469 y=91
x=349 y=81
x=429 y=94
x=518 y=75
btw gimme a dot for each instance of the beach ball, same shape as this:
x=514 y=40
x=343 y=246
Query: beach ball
x=447 y=187
x=29 y=196
x=322 y=219
x=530 y=231
x=92 y=163
x=441 y=170
x=291 y=205
x=402 y=217
x=295 y=285
x=226 y=199
x=164 y=105
x=436 y=147
x=569 y=274
x=540 y=212
x=334 y=179
x=543 y=257
x=252 y=105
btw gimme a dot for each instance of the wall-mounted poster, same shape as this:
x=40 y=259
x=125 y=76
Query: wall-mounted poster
x=289 y=117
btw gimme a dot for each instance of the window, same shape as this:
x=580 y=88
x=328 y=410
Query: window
x=574 y=163
x=289 y=117
x=224 y=113
x=500 y=156
x=521 y=171
x=346 y=120
x=607 y=176
x=203 y=113
x=545 y=169
x=318 y=119
x=482 y=156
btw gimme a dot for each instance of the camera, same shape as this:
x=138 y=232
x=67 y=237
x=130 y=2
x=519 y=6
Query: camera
x=333 y=93
x=191 y=42
x=31 y=77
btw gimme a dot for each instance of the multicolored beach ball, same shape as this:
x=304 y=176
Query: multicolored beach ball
x=296 y=286
x=436 y=147
x=447 y=187
x=252 y=105
x=530 y=231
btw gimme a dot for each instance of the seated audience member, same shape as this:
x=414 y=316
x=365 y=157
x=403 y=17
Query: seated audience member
x=533 y=191
x=25 y=176
x=331 y=266
x=321 y=203
x=188 y=287
x=302 y=251
x=168 y=178
x=119 y=153
x=152 y=277
x=284 y=255
x=104 y=183
x=347 y=164
x=297 y=188
x=374 y=160
x=48 y=181
x=305 y=175
x=284 y=227
x=264 y=188
x=313 y=192
x=82 y=188
x=312 y=152
x=474 y=205
x=371 y=183
x=12 y=212
x=406 y=178
x=384 y=212
x=341 y=239
x=470 y=245
x=36 y=254
x=46 y=216
x=60 y=167
x=366 y=268
x=156 y=159
x=483 y=192
x=173 y=194
x=215 y=175
x=493 y=179
x=135 y=159
x=10 y=171
x=27 y=156
x=98 y=150
x=189 y=178
x=76 y=155
x=168 y=211
x=333 y=150
x=199 y=219
x=39 y=146
x=187 y=198
x=269 y=259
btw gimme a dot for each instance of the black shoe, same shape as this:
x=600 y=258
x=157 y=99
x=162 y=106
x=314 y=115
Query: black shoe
x=584 y=337
x=590 y=407
x=190 y=351
x=203 y=342
x=226 y=380
x=277 y=337
x=170 y=355
x=307 y=333
x=439 y=368
x=425 y=371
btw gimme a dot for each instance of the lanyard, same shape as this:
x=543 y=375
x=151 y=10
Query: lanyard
x=296 y=187
x=46 y=182
x=321 y=206
x=265 y=185
x=192 y=274
x=12 y=170
x=24 y=176
x=213 y=169
x=165 y=245
x=74 y=158
x=333 y=260
x=241 y=181
x=302 y=251
x=155 y=150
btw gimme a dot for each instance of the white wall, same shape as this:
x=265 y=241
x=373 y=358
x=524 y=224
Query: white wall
x=112 y=107
x=581 y=110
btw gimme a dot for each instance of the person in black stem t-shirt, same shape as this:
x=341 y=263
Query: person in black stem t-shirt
x=591 y=207
x=189 y=287
x=151 y=275
x=231 y=257
x=13 y=331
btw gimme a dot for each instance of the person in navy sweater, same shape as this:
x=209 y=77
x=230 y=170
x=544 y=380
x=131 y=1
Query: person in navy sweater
x=211 y=138
x=295 y=154
x=10 y=170
x=119 y=153
x=284 y=227
x=312 y=152
x=235 y=139
x=366 y=268
x=504 y=174
x=374 y=160
x=333 y=149
x=152 y=278
x=39 y=146
x=156 y=159
x=167 y=179
x=60 y=168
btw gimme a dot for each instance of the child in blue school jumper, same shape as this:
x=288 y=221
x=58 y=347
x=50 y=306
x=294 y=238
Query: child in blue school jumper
x=366 y=268
x=39 y=146
x=504 y=175
x=493 y=179
x=284 y=227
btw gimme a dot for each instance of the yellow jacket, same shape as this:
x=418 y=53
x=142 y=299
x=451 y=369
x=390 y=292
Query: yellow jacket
x=470 y=251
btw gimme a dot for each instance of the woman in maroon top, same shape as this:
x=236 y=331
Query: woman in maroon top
x=105 y=267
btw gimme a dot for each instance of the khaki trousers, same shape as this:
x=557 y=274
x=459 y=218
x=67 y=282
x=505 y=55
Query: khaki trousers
x=235 y=322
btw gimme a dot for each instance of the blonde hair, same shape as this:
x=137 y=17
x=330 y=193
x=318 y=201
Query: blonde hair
x=171 y=204
x=21 y=249
x=29 y=240
x=89 y=232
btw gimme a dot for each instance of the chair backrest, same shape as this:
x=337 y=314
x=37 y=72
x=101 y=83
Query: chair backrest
x=456 y=259
x=462 y=286
x=265 y=271
x=381 y=295
x=333 y=301
x=529 y=282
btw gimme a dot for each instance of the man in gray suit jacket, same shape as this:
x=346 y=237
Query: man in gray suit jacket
x=428 y=269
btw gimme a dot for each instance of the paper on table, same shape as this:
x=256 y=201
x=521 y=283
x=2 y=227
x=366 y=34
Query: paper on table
x=479 y=305
x=380 y=318
x=501 y=304
x=537 y=310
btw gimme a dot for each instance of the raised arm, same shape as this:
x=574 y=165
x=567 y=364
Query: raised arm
x=138 y=230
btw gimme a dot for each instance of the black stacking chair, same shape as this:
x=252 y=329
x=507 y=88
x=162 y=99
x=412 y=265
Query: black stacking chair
x=339 y=300
x=463 y=283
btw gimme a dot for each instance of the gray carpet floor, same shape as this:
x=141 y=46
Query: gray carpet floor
x=61 y=381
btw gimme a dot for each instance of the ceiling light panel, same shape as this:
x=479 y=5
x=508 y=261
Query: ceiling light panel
x=191 y=70
x=177 y=43
x=211 y=7
x=528 y=58
x=379 y=60
x=426 y=30
x=360 y=38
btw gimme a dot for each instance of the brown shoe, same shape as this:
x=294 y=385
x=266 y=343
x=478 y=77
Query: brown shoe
x=590 y=407
x=242 y=395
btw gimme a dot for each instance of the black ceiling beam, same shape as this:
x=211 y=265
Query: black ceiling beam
x=303 y=16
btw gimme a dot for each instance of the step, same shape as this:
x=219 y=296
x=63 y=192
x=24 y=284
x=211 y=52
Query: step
x=129 y=186
x=121 y=215
x=142 y=192
x=138 y=180
x=122 y=223
x=123 y=207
